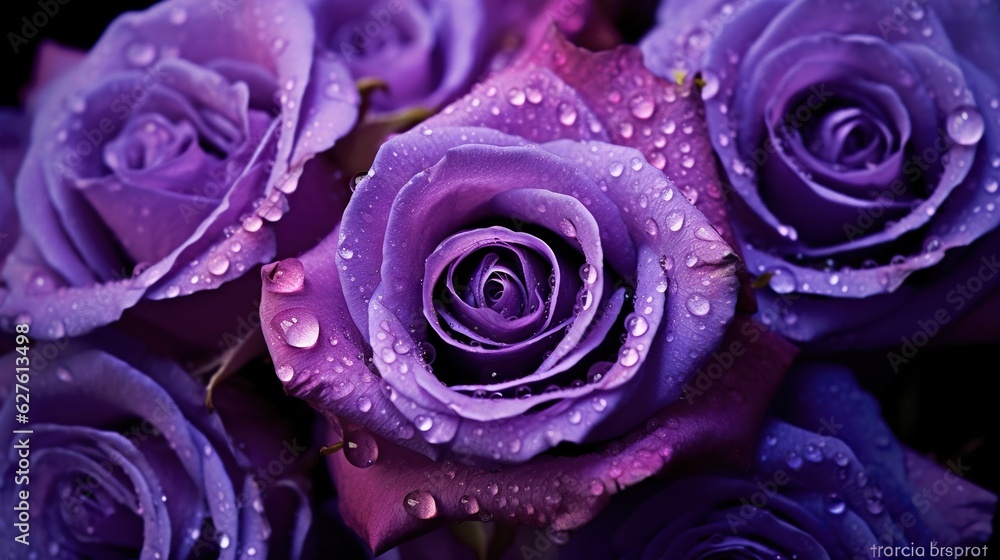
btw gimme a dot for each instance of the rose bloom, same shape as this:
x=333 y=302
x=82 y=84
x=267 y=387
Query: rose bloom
x=861 y=143
x=518 y=277
x=126 y=462
x=165 y=157
x=428 y=52
x=829 y=482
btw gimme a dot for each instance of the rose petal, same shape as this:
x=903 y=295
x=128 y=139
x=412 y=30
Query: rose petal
x=564 y=493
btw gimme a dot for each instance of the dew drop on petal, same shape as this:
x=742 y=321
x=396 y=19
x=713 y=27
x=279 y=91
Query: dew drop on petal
x=628 y=356
x=285 y=372
x=782 y=281
x=675 y=221
x=284 y=277
x=642 y=106
x=140 y=54
x=616 y=168
x=298 y=326
x=218 y=264
x=420 y=504
x=469 y=504
x=965 y=125
x=698 y=305
x=360 y=448
x=567 y=114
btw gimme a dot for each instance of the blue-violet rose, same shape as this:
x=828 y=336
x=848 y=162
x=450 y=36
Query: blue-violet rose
x=165 y=156
x=829 y=482
x=124 y=461
x=862 y=144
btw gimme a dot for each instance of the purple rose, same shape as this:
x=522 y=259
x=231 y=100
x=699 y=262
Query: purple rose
x=164 y=158
x=830 y=481
x=125 y=462
x=428 y=52
x=861 y=141
x=514 y=275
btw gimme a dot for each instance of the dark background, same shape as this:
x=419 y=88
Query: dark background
x=941 y=404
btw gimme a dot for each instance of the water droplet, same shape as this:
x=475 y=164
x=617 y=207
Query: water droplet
x=698 y=305
x=782 y=281
x=298 y=326
x=285 y=372
x=628 y=356
x=793 y=460
x=345 y=253
x=835 y=504
x=642 y=107
x=140 y=54
x=567 y=114
x=616 y=168
x=423 y=423
x=492 y=489
x=636 y=325
x=64 y=375
x=965 y=125
x=420 y=504
x=218 y=264
x=991 y=186
x=284 y=277
x=567 y=227
x=651 y=227
x=675 y=221
x=812 y=453
x=588 y=273
x=516 y=97
x=224 y=541
x=710 y=87
x=360 y=448
x=469 y=505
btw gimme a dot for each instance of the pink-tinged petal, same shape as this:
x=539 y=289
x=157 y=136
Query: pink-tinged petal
x=609 y=96
x=404 y=493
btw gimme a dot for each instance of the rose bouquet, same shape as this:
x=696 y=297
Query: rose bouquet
x=476 y=279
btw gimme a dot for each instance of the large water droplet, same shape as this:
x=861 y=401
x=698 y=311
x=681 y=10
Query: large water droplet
x=516 y=97
x=675 y=221
x=284 y=277
x=360 y=448
x=782 y=281
x=140 y=54
x=469 y=504
x=835 y=504
x=710 y=87
x=567 y=227
x=965 y=125
x=651 y=227
x=698 y=305
x=298 y=326
x=642 y=106
x=588 y=273
x=224 y=541
x=567 y=114
x=423 y=423
x=218 y=264
x=628 y=356
x=616 y=168
x=420 y=504
x=285 y=372
x=636 y=325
